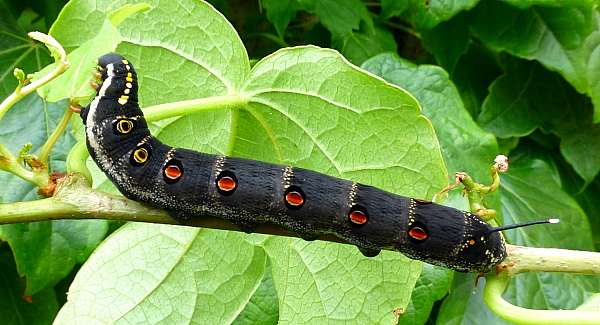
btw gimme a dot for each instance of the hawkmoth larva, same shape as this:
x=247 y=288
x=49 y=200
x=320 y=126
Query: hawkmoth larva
x=187 y=183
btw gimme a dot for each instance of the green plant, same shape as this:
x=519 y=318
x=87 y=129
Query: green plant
x=195 y=63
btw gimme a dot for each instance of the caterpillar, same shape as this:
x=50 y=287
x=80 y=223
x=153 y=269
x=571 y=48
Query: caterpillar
x=246 y=192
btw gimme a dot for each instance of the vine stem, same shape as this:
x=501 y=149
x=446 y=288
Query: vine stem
x=60 y=128
x=531 y=259
x=21 y=91
x=492 y=295
x=9 y=162
x=75 y=199
x=187 y=107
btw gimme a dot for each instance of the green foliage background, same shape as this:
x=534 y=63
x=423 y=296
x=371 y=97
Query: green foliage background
x=521 y=78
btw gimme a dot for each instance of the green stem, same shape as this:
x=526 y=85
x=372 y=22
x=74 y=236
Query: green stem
x=61 y=66
x=74 y=199
x=492 y=295
x=76 y=160
x=532 y=259
x=12 y=164
x=6 y=154
x=60 y=128
x=187 y=107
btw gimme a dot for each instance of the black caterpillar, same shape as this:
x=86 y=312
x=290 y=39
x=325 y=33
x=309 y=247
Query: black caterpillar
x=187 y=183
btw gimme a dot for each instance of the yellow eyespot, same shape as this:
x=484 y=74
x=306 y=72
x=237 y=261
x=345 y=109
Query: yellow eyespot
x=124 y=126
x=140 y=155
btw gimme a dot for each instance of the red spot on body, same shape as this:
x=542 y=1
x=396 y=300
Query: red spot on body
x=358 y=217
x=294 y=198
x=172 y=172
x=29 y=299
x=418 y=233
x=226 y=183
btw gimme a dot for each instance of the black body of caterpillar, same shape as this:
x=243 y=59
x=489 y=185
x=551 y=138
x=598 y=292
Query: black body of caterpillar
x=187 y=183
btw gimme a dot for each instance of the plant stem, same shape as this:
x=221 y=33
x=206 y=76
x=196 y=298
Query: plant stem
x=12 y=164
x=492 y=295
x=187 y=107
x=61 y=66
x=60 y=128
x=531 y=259
x=75 y=199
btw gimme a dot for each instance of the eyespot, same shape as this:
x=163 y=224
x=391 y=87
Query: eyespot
x=124 y=126
x=294 y=197
x=140 y=155
x=358 y=215
x=418 y=232
x=173 y=171
x=226 y=183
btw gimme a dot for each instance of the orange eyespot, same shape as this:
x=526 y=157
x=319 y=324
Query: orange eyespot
x=358 y=217
x=172 y=172
x=294 y=198
x=472 y=242
x=140 y=155
x=418 y=233
x=124 y=126
x=226 y=183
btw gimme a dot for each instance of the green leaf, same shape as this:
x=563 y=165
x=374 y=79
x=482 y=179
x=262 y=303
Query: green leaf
x=524 y=4
x=85 y=16
x=14 y=305
x=587 y=200
x=341 y=17
x=459 y=136
x=448 y=41
x=281 y=12
x=464 y=304
x=74 y=83
x=364 y=44
x=563 y=39
x=540 y=197
x=592 y=304
x=43 y=260
x=47 y=251
x=263 y=307
x=304 y=106
x=432 y=285
x=529 y=96
x=187 y=273
x=474 y=73
x=337 y=284
x=425 y=15
x=392 y=8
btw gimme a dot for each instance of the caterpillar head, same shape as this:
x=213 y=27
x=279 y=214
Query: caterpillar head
x=454 y=239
